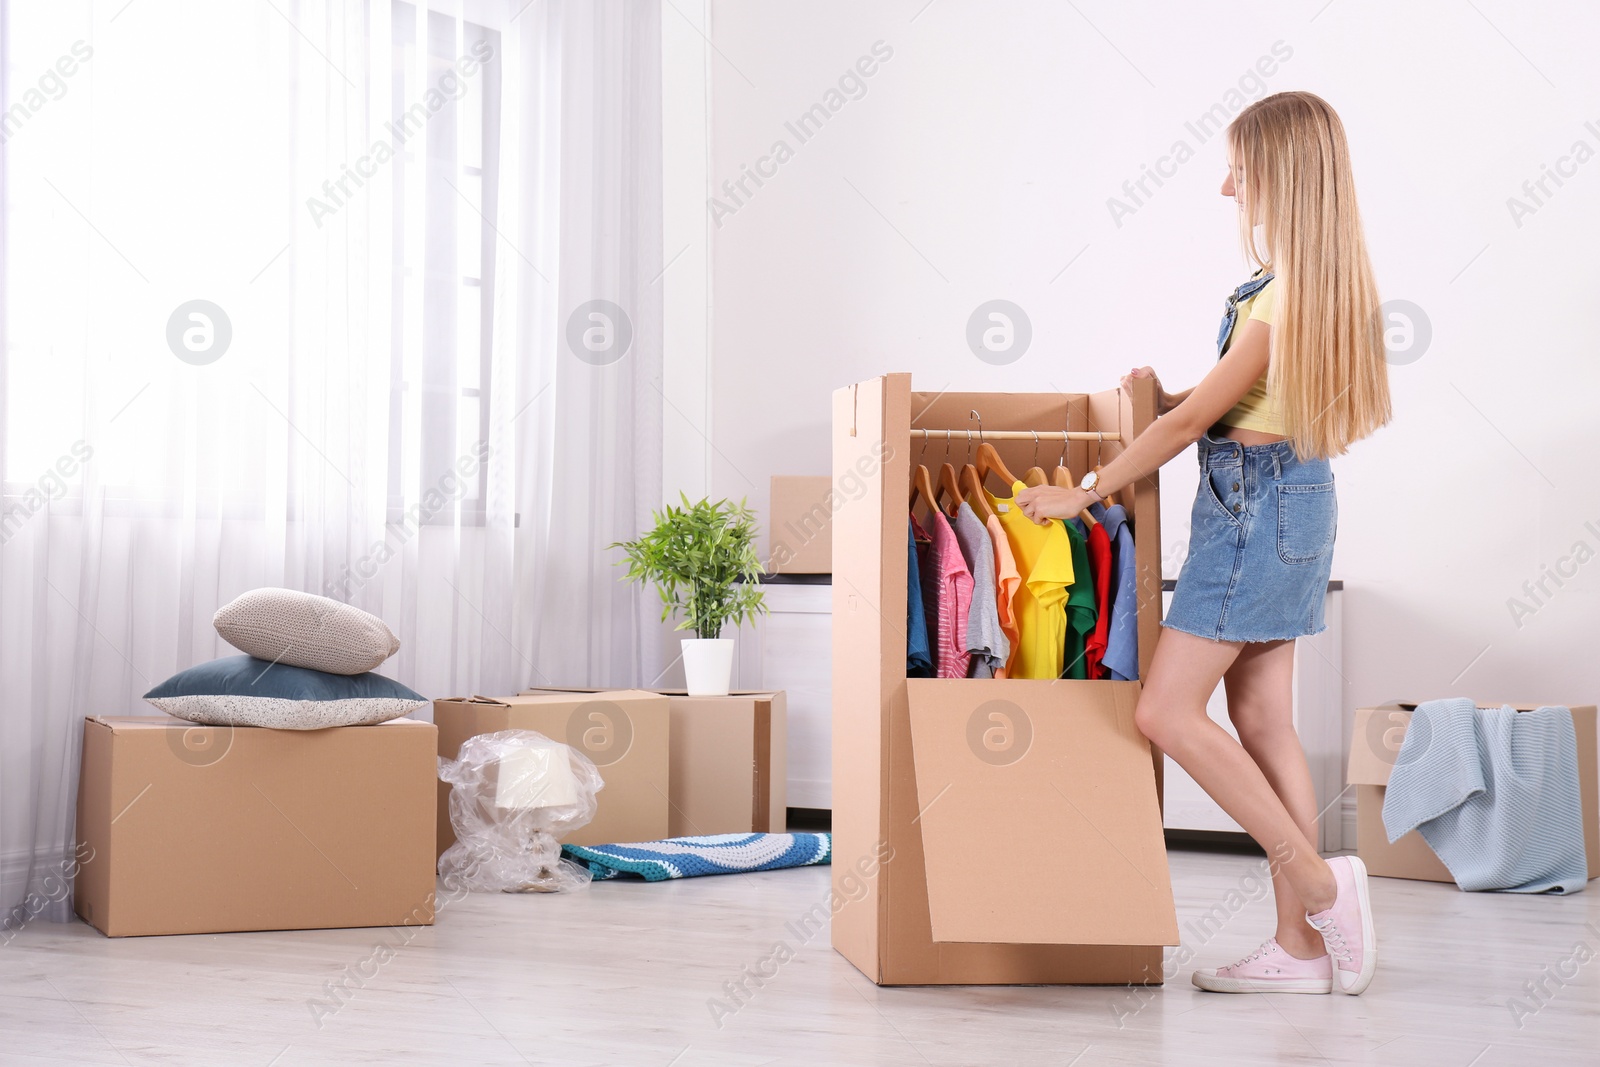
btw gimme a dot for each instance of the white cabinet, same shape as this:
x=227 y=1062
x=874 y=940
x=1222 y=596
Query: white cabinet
x=1318 y=698
x=790 y=648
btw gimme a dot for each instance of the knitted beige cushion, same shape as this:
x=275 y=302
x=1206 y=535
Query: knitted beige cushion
x=306 y=630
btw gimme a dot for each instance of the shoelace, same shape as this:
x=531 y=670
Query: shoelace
x=1266 y=947
x=1333 y=937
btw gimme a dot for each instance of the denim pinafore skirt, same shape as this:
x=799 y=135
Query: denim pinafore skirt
x=1260 y=536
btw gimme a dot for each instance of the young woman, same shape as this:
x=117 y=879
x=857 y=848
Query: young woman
x=1300 y=376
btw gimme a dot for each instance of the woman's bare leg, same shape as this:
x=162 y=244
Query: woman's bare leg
x=1261 y=704
x=1172 y=713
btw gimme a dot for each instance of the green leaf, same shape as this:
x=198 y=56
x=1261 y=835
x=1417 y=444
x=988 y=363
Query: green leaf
x=702 y=559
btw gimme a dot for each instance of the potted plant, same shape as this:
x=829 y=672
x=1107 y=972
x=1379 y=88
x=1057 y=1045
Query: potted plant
x=701 y=557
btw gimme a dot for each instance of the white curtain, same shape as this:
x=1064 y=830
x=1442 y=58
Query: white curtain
x=594 y=126
x=392 y=213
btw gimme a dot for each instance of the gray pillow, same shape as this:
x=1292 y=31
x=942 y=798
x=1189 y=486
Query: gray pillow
x=244 y=691
x=305 y=630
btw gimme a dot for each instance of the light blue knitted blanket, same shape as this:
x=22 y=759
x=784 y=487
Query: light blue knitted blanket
x=1494 y=792
x=689 y=857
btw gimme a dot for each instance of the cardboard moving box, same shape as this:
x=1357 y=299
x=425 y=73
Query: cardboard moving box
x=624 y=731
x=727 y=754
x=186 y=829
x=800 y=525
x=1374 y=747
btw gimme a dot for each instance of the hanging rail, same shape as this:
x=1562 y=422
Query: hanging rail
x=1020 y=435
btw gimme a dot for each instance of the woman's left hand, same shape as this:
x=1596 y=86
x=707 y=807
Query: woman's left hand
x=1045 y=502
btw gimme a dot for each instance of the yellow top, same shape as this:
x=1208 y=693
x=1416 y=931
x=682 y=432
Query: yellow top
x=1257 y=409
x=1044 y=560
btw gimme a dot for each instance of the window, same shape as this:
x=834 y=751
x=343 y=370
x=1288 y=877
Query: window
x=114 y=251
x=446 y=201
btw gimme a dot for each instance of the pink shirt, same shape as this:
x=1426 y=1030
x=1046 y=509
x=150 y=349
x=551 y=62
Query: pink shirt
x=949 y=582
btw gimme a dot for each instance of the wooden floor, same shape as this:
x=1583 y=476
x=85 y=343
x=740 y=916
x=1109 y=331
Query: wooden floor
x=634 y=974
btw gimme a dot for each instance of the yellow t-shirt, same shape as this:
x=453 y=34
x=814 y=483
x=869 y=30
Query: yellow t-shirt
x=1043 y=556
x=1258 y=409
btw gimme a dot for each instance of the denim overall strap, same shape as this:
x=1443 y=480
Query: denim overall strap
x=1230 y=311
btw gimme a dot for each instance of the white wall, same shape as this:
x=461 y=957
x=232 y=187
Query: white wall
x=979 y=162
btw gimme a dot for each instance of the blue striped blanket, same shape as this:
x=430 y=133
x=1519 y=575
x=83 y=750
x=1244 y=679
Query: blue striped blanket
x=690 y=857
x=1494 y=793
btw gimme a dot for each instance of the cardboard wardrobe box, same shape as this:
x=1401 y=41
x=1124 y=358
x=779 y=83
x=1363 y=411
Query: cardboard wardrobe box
x=727 y=754
x=800 y=525
x=987 y=831
x=1374 y=747
x=624 y=731
x=188 y=829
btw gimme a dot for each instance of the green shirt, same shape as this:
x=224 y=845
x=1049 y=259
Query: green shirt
x=1080 y=605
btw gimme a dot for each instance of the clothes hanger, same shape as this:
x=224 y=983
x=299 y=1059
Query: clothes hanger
x=975 y=494
x=1110 y=500
x=1036 y=475
x=1064 y=480
x=972 y=483
x=922 y=485
x=948 y=489
x=1061 y=467
x=989 y=461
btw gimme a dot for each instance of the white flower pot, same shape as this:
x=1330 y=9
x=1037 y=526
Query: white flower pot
x=707 y=665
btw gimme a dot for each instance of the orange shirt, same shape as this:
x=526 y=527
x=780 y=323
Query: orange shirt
x=1006 y=581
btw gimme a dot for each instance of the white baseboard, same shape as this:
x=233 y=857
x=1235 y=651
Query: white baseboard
x=1347 y=820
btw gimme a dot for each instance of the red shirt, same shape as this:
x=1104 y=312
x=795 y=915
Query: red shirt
x=1094 y=645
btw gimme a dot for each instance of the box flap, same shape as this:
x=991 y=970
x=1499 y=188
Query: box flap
x=119 y=724
x=538 y=689
x=1377 y=734
x=1038 y=814
x=564 y=696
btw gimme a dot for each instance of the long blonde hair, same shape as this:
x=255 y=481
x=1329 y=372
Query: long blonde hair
x=1328 y=367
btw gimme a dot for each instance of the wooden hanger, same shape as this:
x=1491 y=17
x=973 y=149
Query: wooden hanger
x=922 y=485
x=949 y=489
x=989 y=462
x=1106 y=498
x=973 y=483
x=1063 y=480
x=947 y=494
x=1035 y=476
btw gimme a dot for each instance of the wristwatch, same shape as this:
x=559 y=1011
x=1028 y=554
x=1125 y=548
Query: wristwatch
x=1089 y=482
